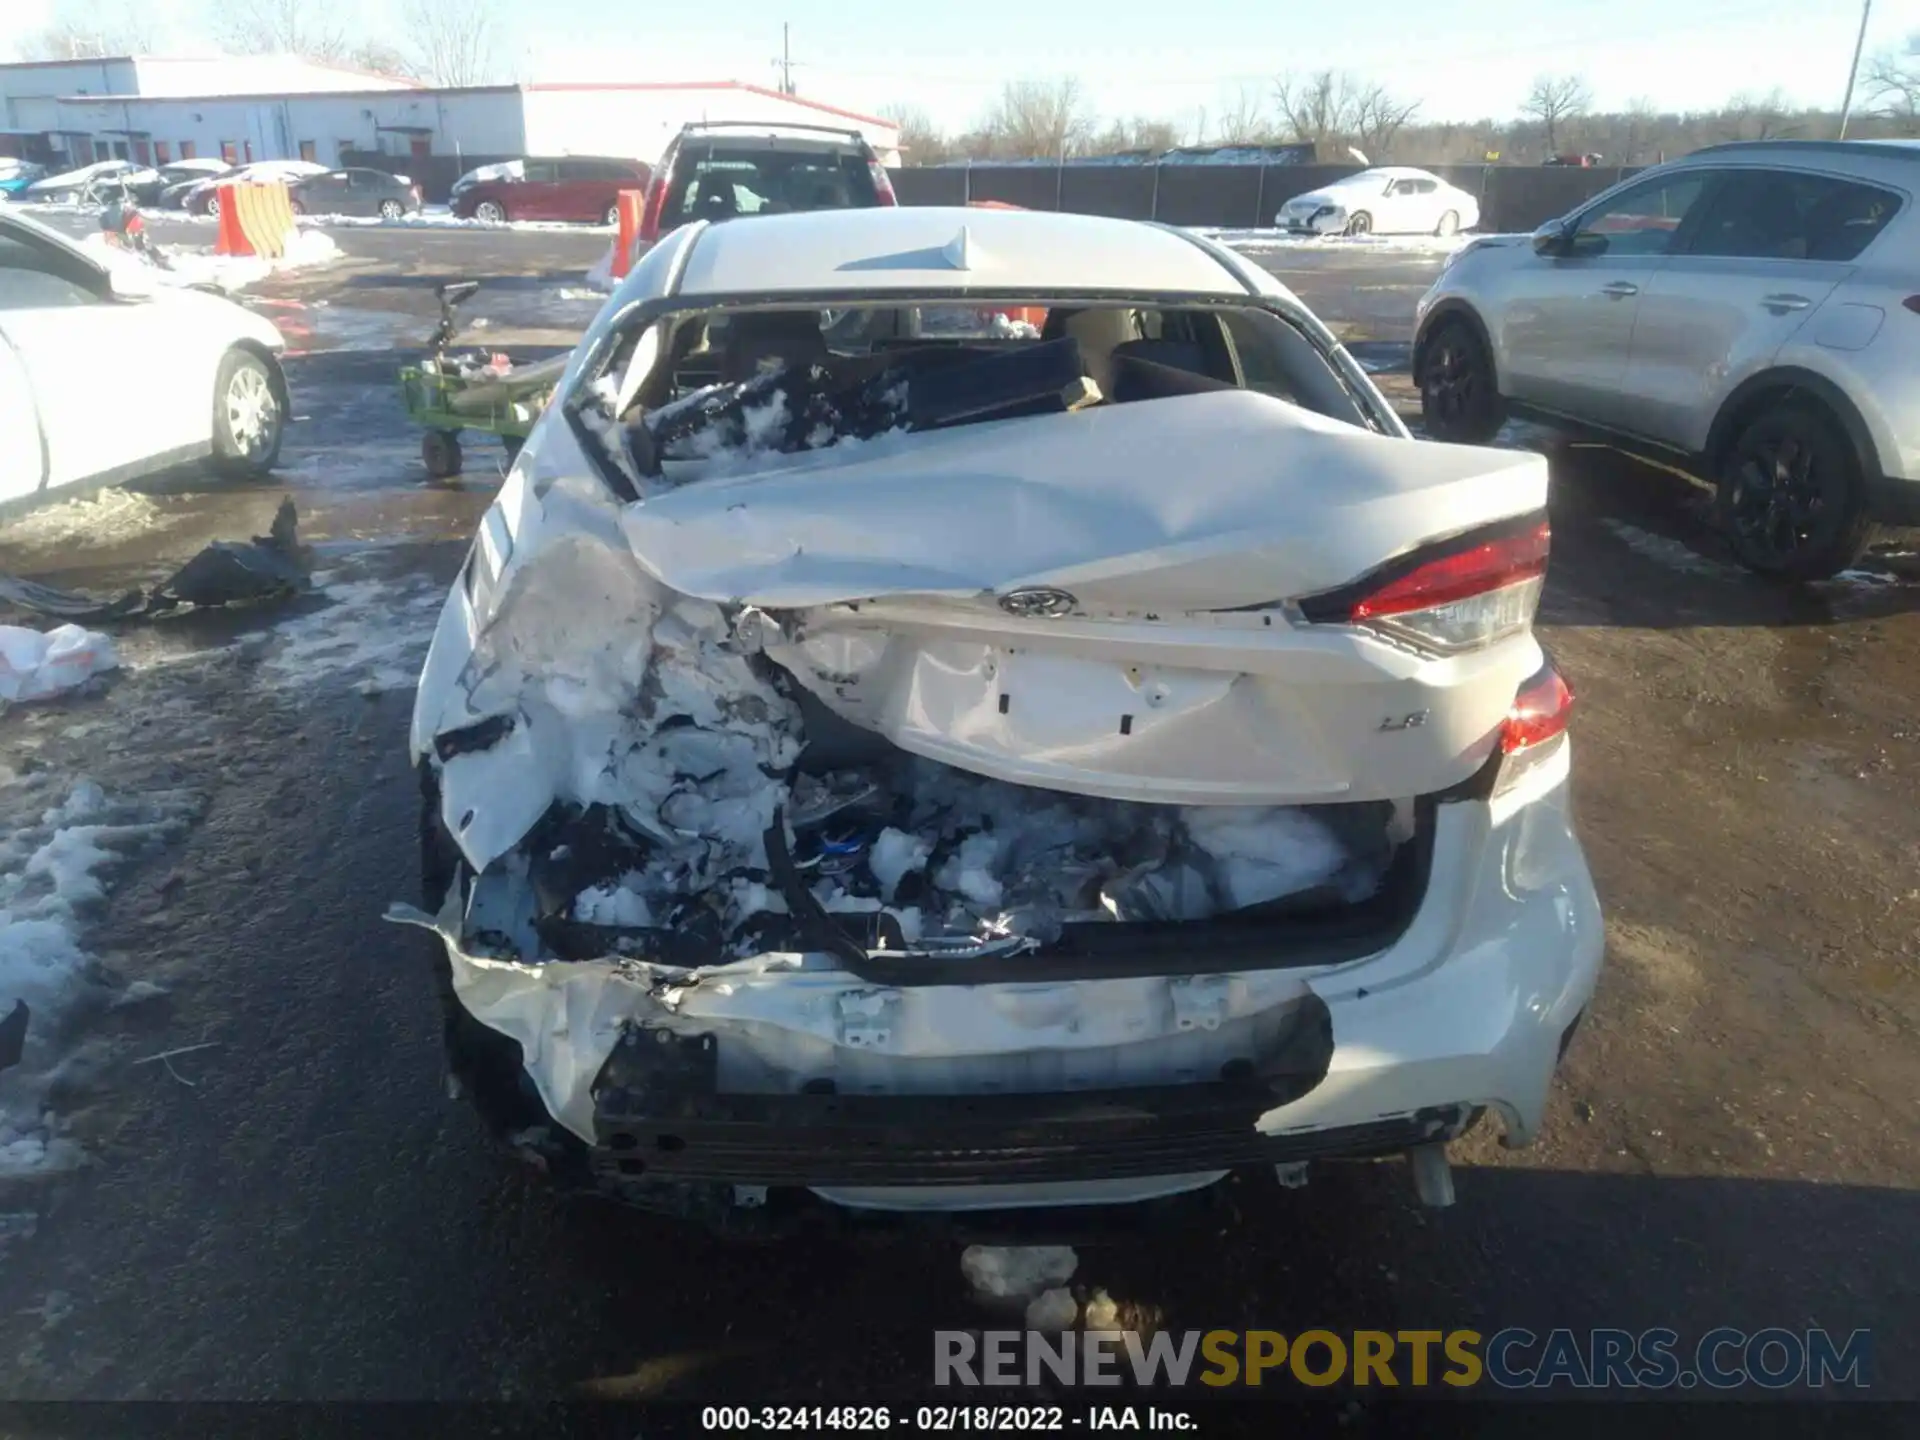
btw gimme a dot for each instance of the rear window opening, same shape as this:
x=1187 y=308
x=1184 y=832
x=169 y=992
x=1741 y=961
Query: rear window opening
x=714 y=183
x=736 y=389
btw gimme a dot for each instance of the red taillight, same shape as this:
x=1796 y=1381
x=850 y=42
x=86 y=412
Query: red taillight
x=1539 y=712
x=882 y=183
x=656 y=204
x=1912 y=302
x=1459 y=594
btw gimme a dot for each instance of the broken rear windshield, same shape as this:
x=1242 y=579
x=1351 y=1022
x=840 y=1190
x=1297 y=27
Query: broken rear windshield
x=730 y=389
x=710 y=186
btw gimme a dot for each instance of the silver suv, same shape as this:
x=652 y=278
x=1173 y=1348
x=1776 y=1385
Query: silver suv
x=1750 y=313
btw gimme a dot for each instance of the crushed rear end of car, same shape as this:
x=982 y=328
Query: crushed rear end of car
x=876 y=765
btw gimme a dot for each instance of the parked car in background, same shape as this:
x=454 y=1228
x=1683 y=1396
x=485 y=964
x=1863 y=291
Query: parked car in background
x=1387 y=200
x=354 y=192
x=501 y=170
x=176 y=174
x=102 y=180
x=17 y=175
x=103 y=378
x=1750 y=313
x=1073 y=766
x=580 y=188
x=204 y=198
x=176 y=195
x=1582 y=162
x=724 y=169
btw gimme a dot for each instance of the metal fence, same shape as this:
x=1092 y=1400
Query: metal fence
x=1512 y=197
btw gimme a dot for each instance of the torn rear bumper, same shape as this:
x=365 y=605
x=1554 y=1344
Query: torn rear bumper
x=659 y=1115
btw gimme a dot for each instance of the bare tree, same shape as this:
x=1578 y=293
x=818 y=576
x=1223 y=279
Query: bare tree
x=276 y=27
x=1331 y=109
x=921 y=141
x=1892 y=83
x=80 y=31
x=1764 y=117
x=1038 y=118
x=379 y=58
x=452 y=40
x=1553 y=101
x=1137 y=134
x=1243 y=119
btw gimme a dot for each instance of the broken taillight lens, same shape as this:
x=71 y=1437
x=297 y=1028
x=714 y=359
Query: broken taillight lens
x=1460 y=594
x=882 y=183
x=656 y=203
x=1535 y=727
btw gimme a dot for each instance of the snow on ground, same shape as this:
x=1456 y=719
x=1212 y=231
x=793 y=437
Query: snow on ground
x=58 y=862
x=307 y=249
x=105 y=517
x=373 y=635
x=1255 y=241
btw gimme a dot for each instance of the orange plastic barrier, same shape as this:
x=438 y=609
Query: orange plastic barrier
x=232 y=238
x=631 y=205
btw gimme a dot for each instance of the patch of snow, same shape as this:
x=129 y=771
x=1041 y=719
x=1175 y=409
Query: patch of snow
x=1664 y=550
x=35 y=665
x=373 y=633
x=1052 y=1311
x=1103 y=1312
x=600 y=275
x=306 y=249
x=615 y=904
x=1017 y=1272
x=1256 y=241
x=55 y=871
x=103 y=518
x=894 y=855
x=1261 y=852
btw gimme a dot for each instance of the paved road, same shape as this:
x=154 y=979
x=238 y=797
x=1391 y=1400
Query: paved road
x=301 y=1211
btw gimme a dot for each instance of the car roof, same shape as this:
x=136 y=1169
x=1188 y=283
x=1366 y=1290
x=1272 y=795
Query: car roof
x=1891 y=160
x=12 y=219
x=915 y=248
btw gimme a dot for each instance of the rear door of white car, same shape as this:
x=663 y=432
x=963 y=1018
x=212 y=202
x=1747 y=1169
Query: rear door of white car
x=1563 y=325
x=22 y=456
x=111 y=381
x=1771 y=246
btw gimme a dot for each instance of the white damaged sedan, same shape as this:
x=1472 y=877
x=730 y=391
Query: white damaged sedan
x=1387 y=200
x=974 y=710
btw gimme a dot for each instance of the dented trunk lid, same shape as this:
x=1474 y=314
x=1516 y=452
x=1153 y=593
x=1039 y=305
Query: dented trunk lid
x=1102 y=601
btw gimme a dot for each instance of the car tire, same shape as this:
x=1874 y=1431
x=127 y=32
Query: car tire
x=249 y=415
x=1789 y=495
x=296 y=207
x=391 y=209
x=1459 y=398
x=213 y=207
x=490 y=212
x=440 y=453
x=1360 y=223
x=1449 y=224
x=612 y=216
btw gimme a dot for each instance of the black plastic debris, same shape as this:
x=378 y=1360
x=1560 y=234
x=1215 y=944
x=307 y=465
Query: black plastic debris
x=13 y=1035
x=273 y=566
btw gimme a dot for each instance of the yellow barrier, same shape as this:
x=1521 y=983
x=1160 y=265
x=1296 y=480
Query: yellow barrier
x=266 y=217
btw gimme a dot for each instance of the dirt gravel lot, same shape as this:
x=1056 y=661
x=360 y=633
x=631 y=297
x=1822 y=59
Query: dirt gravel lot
x=303 y=1213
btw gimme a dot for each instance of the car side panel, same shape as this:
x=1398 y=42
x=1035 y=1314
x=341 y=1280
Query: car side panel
x=22 y=449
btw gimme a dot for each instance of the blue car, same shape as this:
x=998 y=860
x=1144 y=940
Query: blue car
x=15 y=178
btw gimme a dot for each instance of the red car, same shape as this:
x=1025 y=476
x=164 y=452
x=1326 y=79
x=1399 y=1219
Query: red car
x=575 y=187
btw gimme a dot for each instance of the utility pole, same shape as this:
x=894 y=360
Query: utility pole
x=1853 y=73
x=785 y=62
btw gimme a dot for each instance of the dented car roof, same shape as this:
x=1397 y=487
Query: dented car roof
x=913 y=247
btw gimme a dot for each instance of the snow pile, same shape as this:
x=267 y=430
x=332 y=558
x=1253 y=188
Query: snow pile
x=35 y=665
x=1018 y=1273
x=306 y=249
x=54 y=872
x=373 y=633
x=600 y=276
x=1264 y=240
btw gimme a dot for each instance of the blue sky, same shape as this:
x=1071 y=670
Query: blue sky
x=1172 y=58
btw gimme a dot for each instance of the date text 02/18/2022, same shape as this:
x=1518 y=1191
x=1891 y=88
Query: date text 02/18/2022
x=941 y=1419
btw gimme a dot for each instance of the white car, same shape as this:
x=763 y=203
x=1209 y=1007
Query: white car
x=87 y=182
x=103 y=380
x=887 y=772
x=1387 y=200
x=1750 y=313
